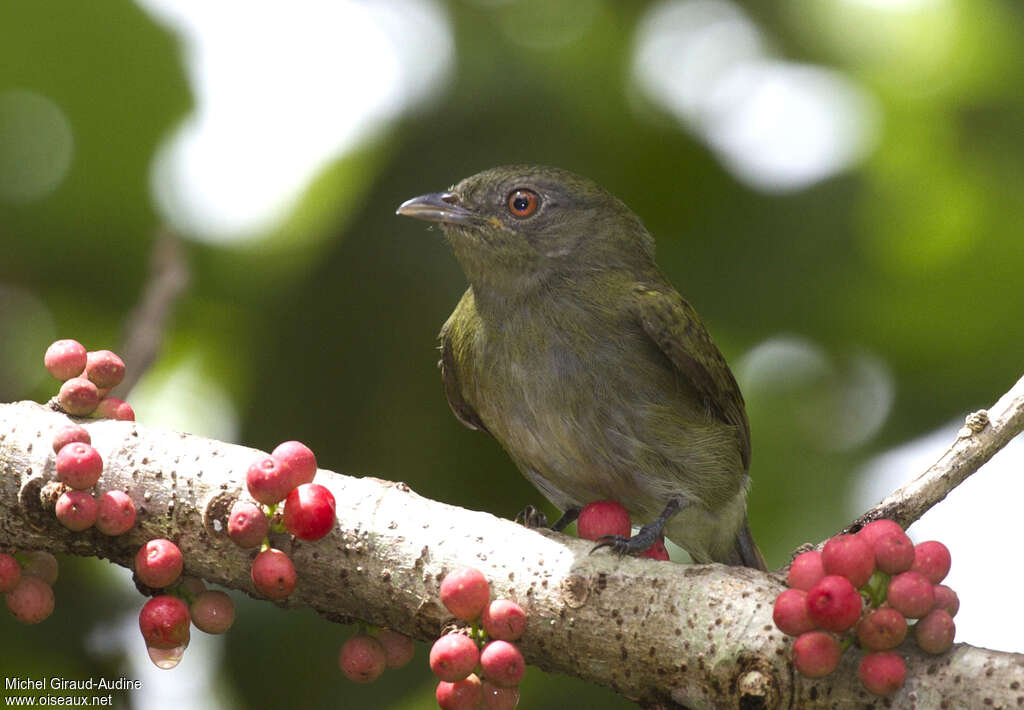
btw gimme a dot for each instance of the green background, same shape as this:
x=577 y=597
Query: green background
x=324 y=329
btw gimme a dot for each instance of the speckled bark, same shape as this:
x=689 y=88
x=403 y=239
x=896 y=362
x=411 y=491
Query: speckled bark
x=657 y=632
x=984 y=433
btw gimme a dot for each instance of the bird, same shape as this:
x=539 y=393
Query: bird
x=573 y=350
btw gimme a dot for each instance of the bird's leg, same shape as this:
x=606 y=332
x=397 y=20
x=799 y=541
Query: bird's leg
x=647 y=536
x=531 y=517
x=568 y=517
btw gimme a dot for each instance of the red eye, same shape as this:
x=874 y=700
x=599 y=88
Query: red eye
x=522 y=203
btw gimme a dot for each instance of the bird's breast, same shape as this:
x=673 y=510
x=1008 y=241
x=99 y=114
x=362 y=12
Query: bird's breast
x=573 y=398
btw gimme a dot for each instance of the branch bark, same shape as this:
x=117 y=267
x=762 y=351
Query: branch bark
x=984 y=433
x=147 y=323
x=662 y=634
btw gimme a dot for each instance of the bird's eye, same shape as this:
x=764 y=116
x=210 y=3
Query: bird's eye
x=523 y=203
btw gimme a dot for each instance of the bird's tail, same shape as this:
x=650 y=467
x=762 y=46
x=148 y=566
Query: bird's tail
x=745 y=550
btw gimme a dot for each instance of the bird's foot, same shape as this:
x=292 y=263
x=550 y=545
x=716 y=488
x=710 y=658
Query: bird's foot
x=647 y=536
x=531 y=517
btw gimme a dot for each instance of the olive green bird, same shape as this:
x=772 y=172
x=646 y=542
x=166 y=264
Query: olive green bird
x=573 y=350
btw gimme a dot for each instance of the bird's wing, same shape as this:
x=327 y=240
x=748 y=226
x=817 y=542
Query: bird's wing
x=675 y=327
x=460 y=407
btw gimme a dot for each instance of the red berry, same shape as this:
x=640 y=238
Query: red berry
x=876 y=528
x=806 y=570
x=65 y=359
x=158 y=563
x=398 y=648
x=882 y=672
x=465 y=593
x=31 y=600
x=269 y=480
x=656 y=551
x=932 y=559
x=78 y=396
x=192 y=585
x=497 y=698
x=934 y=633
x=502 y=663
x=603 y=517
x=362 y=658
x=116 y=514
x=816 y=654
x=41 y=564
x=461 y=695
x=453 y=657
x=911 y=594
x=894 y=552
x=833 y=603
x=107 y=407
x=790 y=613
x=104 y=368
x=125 y=413
x=79 y=465
x=309 y=511
x=10 y=572
x=247 y=524
x=69 y=434
x=213 y=611
x=299 y=458
x=504 y=619
x=273 y=574
x=850 y=557
x=882 y=629
x=114 y=408
x=164 y=622
x=76 y=510
x=946 y=598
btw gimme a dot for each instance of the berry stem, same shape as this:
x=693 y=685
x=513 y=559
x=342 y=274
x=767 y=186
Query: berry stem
x=181 y=590
x=879 y=584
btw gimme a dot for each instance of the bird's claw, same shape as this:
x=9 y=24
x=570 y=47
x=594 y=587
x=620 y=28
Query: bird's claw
x=532 y=517
x=645 y=537
x=619 y=545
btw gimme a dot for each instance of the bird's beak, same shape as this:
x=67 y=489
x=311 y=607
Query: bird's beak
x=441 y=207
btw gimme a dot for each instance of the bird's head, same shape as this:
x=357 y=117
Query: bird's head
x=515 y=227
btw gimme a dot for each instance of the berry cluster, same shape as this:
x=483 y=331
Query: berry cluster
x=165 y=619
x=88 y=377
x=605 y=519
x=78 y=467
x=864 y=588
x=478 y=667
x=285 y=475
x=27 y=586
x=364 y=656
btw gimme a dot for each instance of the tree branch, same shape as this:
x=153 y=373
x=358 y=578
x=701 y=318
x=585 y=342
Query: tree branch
x=665 y=635
x=983 y=434
x=144 y=329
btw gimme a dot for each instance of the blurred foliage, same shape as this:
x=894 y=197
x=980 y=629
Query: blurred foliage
x=325 y=330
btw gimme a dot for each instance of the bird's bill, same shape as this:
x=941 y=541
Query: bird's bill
x=436 y=207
